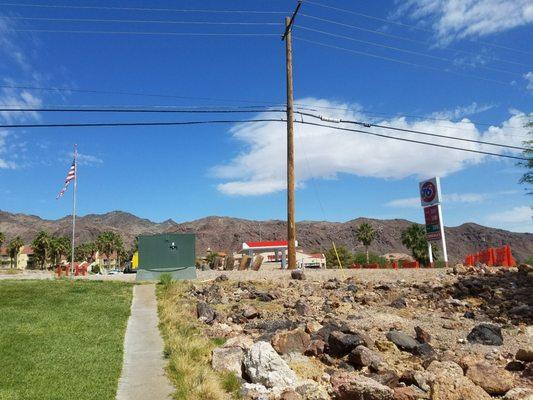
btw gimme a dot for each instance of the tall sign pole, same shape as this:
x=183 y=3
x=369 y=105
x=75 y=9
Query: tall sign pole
x=430 y=198
x=74 y=208
x=291 y=223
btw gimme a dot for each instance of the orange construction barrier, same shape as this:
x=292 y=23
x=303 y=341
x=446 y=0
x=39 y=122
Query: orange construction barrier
x=492 y=257
x=410 y=264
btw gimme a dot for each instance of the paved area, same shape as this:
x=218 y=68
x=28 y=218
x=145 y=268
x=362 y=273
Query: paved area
x=143 y=375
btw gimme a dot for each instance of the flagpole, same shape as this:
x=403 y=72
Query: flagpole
x=74 y=207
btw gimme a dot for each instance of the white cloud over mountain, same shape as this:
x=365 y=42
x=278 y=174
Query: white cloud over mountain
x=458 y=19
x=325 y=153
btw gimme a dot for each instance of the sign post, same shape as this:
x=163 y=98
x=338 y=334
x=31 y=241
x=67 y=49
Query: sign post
x=430 y=198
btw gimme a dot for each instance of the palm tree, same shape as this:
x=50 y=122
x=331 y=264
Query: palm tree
x=41 y=247
x=85 y=250
x=59 y=246
x=414 y=238
x=527 y=178
x=108 y=242
x=366 y=235
x=14 y=248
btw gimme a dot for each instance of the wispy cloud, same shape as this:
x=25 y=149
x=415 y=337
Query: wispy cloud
x=462 y=111
x=458 y=19
x=87 y=159
x=517 y=215
x=414 y=202
x=529 y=78
x=325 y=153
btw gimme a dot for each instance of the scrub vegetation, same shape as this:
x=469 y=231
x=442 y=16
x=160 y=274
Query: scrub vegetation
x=189 y=350
x=62 y=339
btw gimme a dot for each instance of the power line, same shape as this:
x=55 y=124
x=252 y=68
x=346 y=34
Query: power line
x=228 y=111
x=410 y=26
x=402 y=50
x=370 y=125
x=215 y=11
x=398 y=37
x=414 y=141
x=402 y=61
x=157 y=123
x=142 y=110
x=141 y=21
x=128 y=93
x=180 y=123
x=142 y=33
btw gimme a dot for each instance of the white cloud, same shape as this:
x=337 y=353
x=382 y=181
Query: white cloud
x=326 y=153
x=529 y=78
x=87 y=159
x=522 y=214
x=414 y=202
x=457 y=19
x=462 y=111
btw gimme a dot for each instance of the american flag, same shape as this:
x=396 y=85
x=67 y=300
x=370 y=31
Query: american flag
x=71 y=175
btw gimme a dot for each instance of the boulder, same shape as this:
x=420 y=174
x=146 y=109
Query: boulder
x=290 y=394
x=421 y=335
x=264 y=366
x=409 y=393
x=494 y=380
x=347 y=386
x=298 y=274
x=250 y=312
x=316 y=347
x=519 y=393
x=340 y=344
x=424 y=350
x=487 y=334
x=362 y=356
x=525 y=353
x=205 y=313
x=447 y=382
x=295 y=341
x=352 y=287
x=310 y=390
x=399 y=303
x=228 y=359
x=402 y=340
x=303 y=309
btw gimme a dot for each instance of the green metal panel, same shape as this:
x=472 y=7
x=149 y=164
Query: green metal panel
x=171 y=253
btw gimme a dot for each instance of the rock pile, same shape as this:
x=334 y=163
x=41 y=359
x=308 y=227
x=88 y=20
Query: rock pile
x=347 y=339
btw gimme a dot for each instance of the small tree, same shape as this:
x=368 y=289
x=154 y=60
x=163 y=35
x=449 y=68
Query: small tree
x=344 y=255
x=2 y=238
x=366 y=235
x=527 y=178
x=414 y=238
x=13 y=249
x=109 y=242
x=59 y=246
x=41 y=247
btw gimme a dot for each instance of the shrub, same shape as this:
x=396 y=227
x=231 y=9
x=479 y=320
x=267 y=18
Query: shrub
x=165 y=280
x=231 y=384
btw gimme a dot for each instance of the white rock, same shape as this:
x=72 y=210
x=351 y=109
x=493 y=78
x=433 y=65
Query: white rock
x=263 y=365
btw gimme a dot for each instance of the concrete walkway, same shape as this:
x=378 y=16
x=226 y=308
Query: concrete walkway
x=143 y=375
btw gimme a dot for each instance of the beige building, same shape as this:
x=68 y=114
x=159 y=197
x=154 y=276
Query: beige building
x=25 y=258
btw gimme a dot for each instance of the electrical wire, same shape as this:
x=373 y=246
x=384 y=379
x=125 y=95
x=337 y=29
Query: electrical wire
x=406 y=39
x=180 y=123
x=402 y=61
x=143 y=33
x=402 y=50
x=410 y=26
x=143 y=9
x=135 y=21
x=414 y=141
x=142 y=110
x=370 y=125
x=128 y=93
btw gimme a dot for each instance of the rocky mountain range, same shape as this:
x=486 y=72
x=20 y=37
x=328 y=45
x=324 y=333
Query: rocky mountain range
x=228 y=234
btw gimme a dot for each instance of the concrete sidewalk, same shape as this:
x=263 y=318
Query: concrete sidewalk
x=143 y=375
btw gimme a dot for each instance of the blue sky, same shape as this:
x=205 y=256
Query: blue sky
x=462 y=68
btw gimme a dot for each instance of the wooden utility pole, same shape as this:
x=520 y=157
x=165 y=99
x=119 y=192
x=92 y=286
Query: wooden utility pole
x=291 y=224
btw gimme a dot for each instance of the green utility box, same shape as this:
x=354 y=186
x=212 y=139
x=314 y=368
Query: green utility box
x=167 y=253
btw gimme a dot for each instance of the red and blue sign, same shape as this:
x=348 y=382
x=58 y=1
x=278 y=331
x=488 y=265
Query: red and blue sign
x=429 y=192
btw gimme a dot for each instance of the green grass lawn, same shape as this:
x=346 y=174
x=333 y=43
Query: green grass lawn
x=62 y=339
